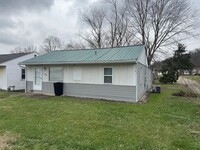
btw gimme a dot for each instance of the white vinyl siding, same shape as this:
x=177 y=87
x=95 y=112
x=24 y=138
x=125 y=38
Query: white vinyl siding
x=3 y=78
x=77 y=73
x=142 y=58
x=123 y=74
x=141 y=80
x=144 y=82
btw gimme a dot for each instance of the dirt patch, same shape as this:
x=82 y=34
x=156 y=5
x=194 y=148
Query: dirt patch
x=36 y=95
x=5 y=140
x=185 y=94
x=196 y=133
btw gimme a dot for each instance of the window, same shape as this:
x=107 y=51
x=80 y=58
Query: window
x=107 y=75
x=23 y=74
x=55 y=74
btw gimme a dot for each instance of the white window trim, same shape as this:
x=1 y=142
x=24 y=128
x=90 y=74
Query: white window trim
x=108 y=75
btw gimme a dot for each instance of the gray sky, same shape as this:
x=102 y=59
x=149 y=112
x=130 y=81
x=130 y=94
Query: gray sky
x=28 y=22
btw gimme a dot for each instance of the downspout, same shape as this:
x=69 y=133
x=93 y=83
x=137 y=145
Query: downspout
x=136 y=80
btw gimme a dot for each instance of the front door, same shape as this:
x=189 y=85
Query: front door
x=37 y=85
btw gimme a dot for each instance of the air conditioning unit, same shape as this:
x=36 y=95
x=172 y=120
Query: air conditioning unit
x=156 y=89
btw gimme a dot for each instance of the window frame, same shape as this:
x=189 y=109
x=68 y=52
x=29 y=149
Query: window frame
x=23 y=74
x=107 y=67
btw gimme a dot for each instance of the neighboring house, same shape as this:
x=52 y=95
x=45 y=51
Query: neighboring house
x=186 y=72
x=12 y=76
x=196 y=71
x=118 y=73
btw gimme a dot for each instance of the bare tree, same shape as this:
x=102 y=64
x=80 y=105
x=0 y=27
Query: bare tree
x=94 y=18
x=28 y=49
x=51 y=43
x=157 y=22
x=73 y=45
x=109 y=29
x=153 y=23
x=119 y=31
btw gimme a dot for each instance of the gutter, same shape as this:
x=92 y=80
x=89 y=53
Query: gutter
x=73 y=63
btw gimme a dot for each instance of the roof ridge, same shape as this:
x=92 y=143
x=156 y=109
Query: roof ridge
x=8 y=57
x=99 y=48
x=15 y=54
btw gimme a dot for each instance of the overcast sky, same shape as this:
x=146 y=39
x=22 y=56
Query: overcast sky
x=28 y=22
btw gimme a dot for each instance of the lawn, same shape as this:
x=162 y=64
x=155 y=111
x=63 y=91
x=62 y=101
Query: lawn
x=196 y=78
x=164 y=122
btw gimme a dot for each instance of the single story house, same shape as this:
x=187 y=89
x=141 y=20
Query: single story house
x=119 y=73
x=12 y=76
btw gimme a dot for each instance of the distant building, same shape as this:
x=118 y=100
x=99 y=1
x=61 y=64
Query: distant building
x=12 y=76
x=196 y=71
x=186 y=72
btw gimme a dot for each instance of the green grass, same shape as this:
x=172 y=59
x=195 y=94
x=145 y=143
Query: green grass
x=164 y=122
x=196 y=78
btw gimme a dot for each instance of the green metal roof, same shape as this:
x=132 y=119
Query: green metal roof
x=104 y=55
